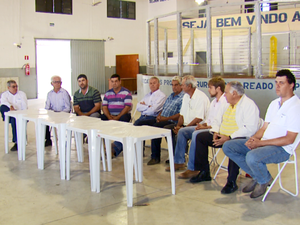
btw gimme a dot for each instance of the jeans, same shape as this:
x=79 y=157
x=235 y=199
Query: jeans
x=118 y=145
x=12 y=121
x=193 y=148
x=183 y=135
x=155 y=143
x=145 y=120
x=254 y=161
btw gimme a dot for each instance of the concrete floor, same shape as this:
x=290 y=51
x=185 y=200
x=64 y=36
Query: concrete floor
x=32 y=196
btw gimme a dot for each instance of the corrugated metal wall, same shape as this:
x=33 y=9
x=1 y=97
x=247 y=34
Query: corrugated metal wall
x=87 y=57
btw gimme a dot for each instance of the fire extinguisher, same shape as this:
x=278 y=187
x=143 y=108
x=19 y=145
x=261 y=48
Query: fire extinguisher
x=27 y=69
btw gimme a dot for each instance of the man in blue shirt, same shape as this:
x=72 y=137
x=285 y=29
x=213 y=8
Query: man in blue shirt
x=58 y=100
x=167 y=118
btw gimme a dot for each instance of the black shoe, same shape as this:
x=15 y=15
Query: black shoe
x=48 y=143
x=229 y=188
x=202 y=176
x=153 y=162
x=14 y=148
x=167 y=161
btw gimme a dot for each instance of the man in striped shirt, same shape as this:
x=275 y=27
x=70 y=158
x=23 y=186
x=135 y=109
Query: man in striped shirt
x=116 y=105
x=239 y=119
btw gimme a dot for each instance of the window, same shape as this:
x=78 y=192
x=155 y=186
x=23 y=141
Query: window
x=121 y=9
x=264 y=7
x=250 y=7
x=54 y=6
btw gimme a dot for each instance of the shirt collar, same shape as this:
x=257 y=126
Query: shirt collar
x=86 y=91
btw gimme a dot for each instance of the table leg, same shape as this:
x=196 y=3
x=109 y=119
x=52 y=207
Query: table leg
x=108 y=154
x=62 y=149
x=23 y=136
x=6 y=135
x=19 y=136
x=128 y=153
x=171 y=158
x=68 y=154
x=139 y=160
x=78 y=140
x=40 y=136
x=100 y=142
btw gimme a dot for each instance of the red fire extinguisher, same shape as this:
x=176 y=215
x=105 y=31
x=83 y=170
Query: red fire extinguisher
x=27 y=69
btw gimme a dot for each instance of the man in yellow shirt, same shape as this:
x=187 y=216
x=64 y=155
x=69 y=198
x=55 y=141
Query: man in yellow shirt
x=238 y=120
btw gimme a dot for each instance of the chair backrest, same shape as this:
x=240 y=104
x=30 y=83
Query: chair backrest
x=296 y=142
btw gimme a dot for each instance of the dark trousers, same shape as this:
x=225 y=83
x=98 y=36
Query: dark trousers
x=204 y=140
x=12 y=121
x=155 y=143
x=118 y=145
x=145 y=120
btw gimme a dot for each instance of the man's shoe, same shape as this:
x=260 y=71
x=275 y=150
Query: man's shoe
x=188 y=174
x=202 y=176
x=250 y=186
x=167 y=161
x=48 y=143
x=14 y=148
x=229 y=188
x=177 y=167
x=153 y=162
x=260 y=189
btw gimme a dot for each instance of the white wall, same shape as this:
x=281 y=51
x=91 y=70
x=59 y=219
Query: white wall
x=21 y=24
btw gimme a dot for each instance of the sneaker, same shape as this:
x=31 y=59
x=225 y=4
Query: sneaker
x=48 y=143
x=14 y=148
x=153 y=162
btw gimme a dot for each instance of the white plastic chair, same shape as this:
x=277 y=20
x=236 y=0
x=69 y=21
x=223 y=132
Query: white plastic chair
x=280 y=169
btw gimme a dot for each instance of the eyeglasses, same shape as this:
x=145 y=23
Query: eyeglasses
x=56 y=82
x=14 y=86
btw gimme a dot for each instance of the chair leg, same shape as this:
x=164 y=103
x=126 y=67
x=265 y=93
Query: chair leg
x=296 y=178
x=220 y=167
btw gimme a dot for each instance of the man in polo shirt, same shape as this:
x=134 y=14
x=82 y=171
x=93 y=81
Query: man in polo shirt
x=195 y=105
x=274 y=141
x=58 y=100
x=239 y=119
x=12 y=99
x=167 y=118
x=116 y=105
x=87 y=100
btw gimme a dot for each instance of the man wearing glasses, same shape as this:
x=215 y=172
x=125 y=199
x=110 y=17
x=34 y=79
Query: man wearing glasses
x=58 y=100
x=12 y=99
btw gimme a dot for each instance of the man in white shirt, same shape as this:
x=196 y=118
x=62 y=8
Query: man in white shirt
x=58 y=100
x=216 y=88
x=194 y=108
x=274 y=141
x=12 y=99
x=151 y=105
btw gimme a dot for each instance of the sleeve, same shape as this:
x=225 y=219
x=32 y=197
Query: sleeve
x=250 y=120
x=105 y=100
x=140 y=107
x=128 y=100
x=96 y=96
x=75 y=101
x=47 y=104
x=217 y=120
x=4 y=99
x=67 y=102
x=157 y=104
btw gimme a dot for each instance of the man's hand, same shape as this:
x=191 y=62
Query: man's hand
x=253 y=143
x=142 y=103
x=176 y=129
x=114 y=117
x=220 y=139
x=202 y=126
x=12 y=108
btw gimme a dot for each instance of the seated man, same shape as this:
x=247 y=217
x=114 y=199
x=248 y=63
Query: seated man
x=151 y=105
x=274 y=142
x=167 y=118
x=12 y=99
x=116 y=105
x=87 y=100
x=58 y=100
x=239 y=119
x=195 y=105
x=216 y=88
